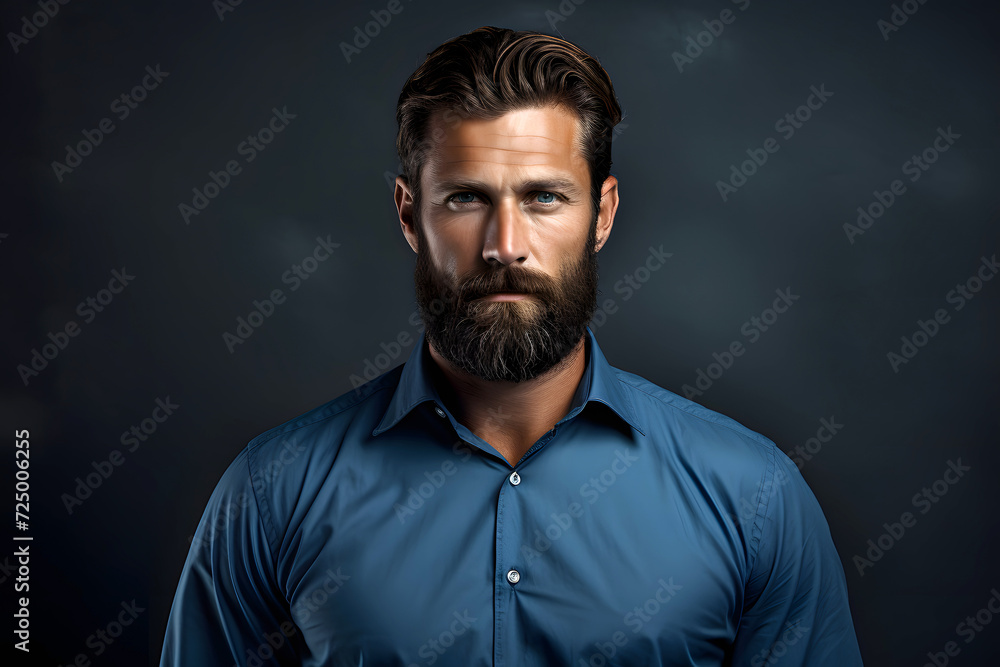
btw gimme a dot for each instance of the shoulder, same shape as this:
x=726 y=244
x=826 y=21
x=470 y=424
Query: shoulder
x=696 y=430
x=284 y=469
x=318 y=434
x=742 y=471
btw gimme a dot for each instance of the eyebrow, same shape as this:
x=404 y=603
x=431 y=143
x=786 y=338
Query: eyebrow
x=544 y=184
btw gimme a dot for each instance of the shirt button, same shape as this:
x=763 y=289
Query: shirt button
x=515 y=479
x=513 y=576
x=439 y=411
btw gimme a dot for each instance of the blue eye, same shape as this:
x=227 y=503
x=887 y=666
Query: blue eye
x=546 y=201
x=464 y=197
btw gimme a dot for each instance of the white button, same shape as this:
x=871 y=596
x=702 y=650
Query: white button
x=439 y=411
x=513 y=576
x=515 y=479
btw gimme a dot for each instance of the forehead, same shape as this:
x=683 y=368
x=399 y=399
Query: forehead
x=527 y=141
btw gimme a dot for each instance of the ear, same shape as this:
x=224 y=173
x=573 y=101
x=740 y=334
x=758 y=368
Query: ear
x=606 y=211
x=403 y=197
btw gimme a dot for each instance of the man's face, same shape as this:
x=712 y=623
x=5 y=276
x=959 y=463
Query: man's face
x=506 y=241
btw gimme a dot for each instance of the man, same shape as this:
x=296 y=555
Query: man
x=506 y=497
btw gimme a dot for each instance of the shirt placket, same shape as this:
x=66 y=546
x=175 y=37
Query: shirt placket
x=510 y=573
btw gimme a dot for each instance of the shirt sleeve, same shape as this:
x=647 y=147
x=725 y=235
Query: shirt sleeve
x=796 y=610
x=227 y=609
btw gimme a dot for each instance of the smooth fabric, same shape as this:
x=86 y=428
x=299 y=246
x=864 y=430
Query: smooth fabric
x=641 y=530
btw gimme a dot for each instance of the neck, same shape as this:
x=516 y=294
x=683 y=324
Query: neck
x=511 y=416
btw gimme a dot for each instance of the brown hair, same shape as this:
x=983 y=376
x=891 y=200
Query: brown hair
x=490 y=71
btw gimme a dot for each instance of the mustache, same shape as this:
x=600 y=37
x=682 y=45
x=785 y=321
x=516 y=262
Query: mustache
x=504 y=279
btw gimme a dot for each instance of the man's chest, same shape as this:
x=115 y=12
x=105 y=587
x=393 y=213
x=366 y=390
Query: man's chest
x=605 y=562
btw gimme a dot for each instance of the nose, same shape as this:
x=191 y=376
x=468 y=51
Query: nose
x=507 y=233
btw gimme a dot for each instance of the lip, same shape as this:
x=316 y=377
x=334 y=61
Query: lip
x=505 y=296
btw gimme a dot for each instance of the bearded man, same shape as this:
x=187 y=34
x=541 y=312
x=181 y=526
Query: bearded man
x=507 y=497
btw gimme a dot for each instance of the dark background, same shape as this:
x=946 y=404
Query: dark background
x=325 y=175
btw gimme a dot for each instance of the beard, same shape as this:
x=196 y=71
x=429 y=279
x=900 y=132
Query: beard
x=507 y=341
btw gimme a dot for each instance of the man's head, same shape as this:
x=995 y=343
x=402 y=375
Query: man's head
x=505 y=141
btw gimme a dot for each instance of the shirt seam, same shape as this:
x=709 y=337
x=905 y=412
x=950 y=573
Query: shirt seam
x=263 y=508
x=292 y=425
x=265 y=524
x=763 y=505
x=747 y=432
x=767 y=479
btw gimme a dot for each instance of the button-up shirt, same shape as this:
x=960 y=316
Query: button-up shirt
x=642 y=529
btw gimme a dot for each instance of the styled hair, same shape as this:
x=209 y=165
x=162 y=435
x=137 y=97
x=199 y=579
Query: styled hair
x=491 y=71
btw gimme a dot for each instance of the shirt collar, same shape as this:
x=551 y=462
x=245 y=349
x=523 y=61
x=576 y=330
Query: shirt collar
x=599 y=383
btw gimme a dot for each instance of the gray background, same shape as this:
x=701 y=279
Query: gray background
x=326 y=175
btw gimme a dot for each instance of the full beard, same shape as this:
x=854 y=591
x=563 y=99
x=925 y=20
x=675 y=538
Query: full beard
x=507 y=341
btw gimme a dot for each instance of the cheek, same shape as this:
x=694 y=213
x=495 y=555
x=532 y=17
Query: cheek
x=559 y=245
x=456 y=249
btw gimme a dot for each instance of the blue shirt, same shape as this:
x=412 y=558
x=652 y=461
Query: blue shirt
x=642 y=529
